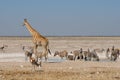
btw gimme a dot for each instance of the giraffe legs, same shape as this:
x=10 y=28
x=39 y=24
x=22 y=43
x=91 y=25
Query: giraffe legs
x=45 y=52
x=35 y=51
x=35 y=48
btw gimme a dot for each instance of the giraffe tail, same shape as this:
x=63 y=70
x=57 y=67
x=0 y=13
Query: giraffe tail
x=49 y=51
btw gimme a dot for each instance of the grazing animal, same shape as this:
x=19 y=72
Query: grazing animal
x=118 y=52
x=23 y=48
x=34 y=62
x=94 y=55
x=81 y=54
x=38 y=39
x=27 y=54
x=70 y=57
x=113 y=48
x=90 y=55
x=108 y=52
x=114 y=54
x=3 y=47
x=61 y=54
x=78 y=54
x=85 y=55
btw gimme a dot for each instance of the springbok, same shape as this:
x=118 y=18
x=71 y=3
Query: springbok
x=34 y=62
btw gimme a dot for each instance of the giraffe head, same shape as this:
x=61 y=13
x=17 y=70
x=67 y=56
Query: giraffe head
x=25 y=20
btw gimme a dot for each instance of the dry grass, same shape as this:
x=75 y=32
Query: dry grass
x=60 y=71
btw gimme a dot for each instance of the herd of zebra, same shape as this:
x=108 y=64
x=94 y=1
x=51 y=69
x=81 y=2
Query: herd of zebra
x=88 y=55
x=111 y=54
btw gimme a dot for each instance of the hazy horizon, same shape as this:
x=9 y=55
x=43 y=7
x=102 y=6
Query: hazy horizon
x=65 y=36
x=61 y=18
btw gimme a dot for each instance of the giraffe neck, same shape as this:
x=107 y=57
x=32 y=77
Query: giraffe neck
x=31 y=30
x=36 y=35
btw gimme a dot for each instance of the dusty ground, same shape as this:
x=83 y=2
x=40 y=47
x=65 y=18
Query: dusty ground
x=13 y=66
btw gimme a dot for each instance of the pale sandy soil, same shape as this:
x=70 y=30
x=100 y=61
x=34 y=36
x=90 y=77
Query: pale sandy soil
x=14 y=67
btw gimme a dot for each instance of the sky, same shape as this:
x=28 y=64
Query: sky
x=60 y=17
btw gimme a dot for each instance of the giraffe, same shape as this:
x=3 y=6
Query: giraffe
x=38 y=39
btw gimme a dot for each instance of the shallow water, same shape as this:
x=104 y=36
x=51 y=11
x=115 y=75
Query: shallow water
x=20 y=57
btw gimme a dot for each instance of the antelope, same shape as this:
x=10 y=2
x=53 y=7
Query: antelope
x=34 y=62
